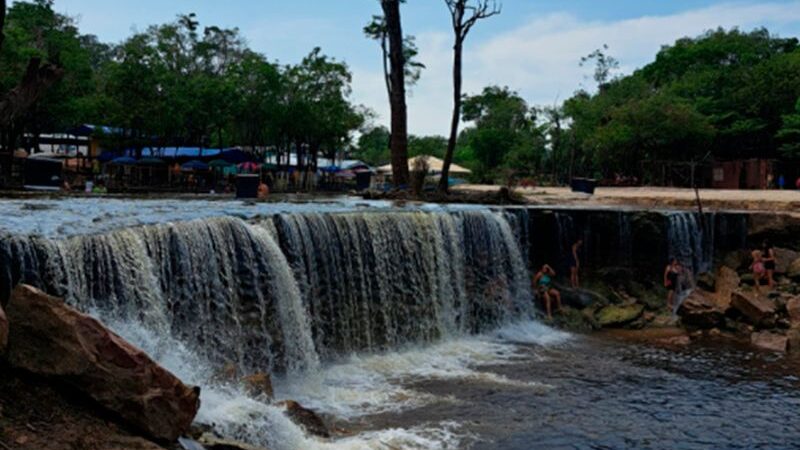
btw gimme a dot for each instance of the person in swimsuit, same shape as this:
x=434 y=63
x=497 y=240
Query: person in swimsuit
x=759 y=268
x=543 y=284
x=575 y=264
x=769 y=259
x=672 y=276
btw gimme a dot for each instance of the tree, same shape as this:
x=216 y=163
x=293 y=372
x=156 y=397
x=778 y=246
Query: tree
x=464 y=14
x=29 y=70
x=604 y=65
x=376 y=30
x=504 y=137
x=397 y=95
x=789 y=134
x=725 y=93
x=373 y=146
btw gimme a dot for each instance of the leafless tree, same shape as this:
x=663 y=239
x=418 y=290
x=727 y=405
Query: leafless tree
x=465 y=14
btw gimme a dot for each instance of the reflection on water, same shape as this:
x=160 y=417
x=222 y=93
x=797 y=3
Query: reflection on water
x=608 y=394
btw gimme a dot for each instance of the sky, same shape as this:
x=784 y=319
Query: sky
x=534 y=46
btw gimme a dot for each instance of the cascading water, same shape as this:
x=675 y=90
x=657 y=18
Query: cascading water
x=691 y=240
x=377 y=281
x=220 y=285
x=285 y=293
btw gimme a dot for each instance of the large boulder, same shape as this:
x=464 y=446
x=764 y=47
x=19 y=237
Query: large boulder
x=700 y=309
x=770 y=341
x=784 y=259
x=614 y=315
x=793 y=271
x=793 y=310
x=726 y=283
x=48 y=338
x=580 y=298
x=754 y=308
x=3 y=331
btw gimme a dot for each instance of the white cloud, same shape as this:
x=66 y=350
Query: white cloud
x=540 y=59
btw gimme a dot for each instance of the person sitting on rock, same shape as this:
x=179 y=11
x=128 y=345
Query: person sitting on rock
x=759 y=269
x=543 y=284
x=672 y=276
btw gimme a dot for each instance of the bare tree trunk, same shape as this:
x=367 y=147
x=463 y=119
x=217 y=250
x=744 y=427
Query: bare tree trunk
x=399 y=137
x=465 y=14
x=444 y=181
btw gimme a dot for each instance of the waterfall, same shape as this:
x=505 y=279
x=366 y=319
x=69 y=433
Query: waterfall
x=283 y=293
x=691 y=240
x=377 y=281
x=625 y=238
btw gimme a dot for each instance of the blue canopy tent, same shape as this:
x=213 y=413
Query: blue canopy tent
x=124 y=161
x=331 y=169
x=194 y=165
x=107 y=156
x=177 y=152
x=236 y=156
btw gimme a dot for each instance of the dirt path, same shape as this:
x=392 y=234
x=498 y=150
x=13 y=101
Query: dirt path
x=653 y=197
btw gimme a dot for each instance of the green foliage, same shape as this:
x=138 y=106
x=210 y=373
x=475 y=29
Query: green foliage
x=725 y=94
x=182 y=83
x=504 y=138
x=789 y=134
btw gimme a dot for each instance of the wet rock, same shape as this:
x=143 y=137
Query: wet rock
x=727 y=282
x=580 y=298
x=784 y=258
x=794 y=339
x=211 y=442
x=259 y=384
x=3 y=331
x=770 y=341
x=793 y=311
x=793 y=271
x=130 y=443
x=754 y=308
x=706 y=281
x=700 y=310
x=614 y=315
x=50 y=339
x=306 y=418
x=737 y=260
x=675 y=341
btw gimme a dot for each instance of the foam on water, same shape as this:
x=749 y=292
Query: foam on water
x=358 y=386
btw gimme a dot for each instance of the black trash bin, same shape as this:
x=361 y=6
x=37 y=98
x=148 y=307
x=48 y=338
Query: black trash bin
x=584 y=185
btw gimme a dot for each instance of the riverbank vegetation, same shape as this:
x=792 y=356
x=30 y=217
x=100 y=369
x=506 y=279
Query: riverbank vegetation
x=725 y=94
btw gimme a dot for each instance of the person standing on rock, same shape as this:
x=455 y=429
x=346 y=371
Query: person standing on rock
x=543 y=283
x=575 y=264
x=672 y=275
x=758 y=268
x=769 y=258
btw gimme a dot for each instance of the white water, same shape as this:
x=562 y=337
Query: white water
x=357 y=386
x=387 y=300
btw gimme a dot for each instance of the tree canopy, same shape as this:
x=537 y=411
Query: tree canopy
x=180 y=83
x=726 y=94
